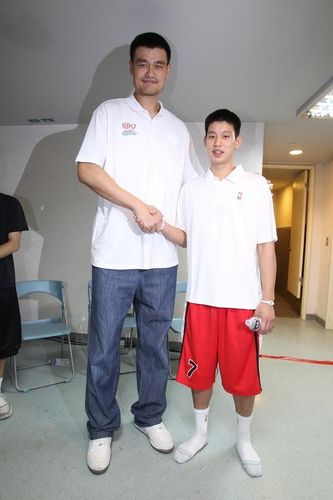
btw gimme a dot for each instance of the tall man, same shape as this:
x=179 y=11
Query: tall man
x=12 y=222
x=135 y=156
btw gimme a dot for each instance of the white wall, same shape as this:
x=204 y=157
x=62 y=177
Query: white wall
x=283 y=204
x=37 y=166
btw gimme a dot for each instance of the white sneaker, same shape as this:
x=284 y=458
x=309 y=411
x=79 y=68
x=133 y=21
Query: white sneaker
x=159 y=437
x=99 y=455
x=5 y=408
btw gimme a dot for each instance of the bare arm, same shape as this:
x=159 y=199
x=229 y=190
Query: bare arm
x=100 y=182
x=175 y=235
x=172 y=233
x=267 y=265
x=12 y=245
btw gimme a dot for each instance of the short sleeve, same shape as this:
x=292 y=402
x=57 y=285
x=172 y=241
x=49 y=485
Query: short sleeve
x=192 y=166
x=181 y=221
x=94 y=146
x=266 y=219
x=15 y=217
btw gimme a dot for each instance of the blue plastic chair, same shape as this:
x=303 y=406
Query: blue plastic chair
x=177 y=323
x=45 y=328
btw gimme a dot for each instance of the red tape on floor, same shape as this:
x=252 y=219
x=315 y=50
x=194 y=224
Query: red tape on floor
x=298 y=360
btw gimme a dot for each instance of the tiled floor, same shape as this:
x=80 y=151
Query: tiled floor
x=43 y=445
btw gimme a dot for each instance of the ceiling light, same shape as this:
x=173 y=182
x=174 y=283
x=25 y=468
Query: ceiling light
x=294 y=149
x=295 y=152
x=320 y=105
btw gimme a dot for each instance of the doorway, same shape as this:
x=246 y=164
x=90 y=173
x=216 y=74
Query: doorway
x=291 y=198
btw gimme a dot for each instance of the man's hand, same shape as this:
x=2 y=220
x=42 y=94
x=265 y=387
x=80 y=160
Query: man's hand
x=267 y=315
x=148 y=218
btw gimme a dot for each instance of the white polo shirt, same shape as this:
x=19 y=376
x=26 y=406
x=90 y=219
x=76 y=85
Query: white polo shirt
x=224 y=221
x=149 y=157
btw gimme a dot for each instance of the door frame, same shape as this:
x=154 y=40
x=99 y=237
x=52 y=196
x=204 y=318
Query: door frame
x=308 y=226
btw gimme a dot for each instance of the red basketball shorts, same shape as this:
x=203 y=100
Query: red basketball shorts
x=218 y=337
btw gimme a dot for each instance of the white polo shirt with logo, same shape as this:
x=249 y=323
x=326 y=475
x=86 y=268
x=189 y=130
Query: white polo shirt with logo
x=149 y=157
x=225 y=220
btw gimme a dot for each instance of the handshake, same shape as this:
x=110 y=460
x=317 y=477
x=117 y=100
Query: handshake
x=149 y=219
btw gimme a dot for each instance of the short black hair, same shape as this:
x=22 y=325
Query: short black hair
x=224 y=115
x=152 y=41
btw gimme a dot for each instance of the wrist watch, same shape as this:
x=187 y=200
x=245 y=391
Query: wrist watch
x=269 y=302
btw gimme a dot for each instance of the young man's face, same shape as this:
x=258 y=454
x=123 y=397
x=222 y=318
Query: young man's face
x=150 y=70
x=221 y=143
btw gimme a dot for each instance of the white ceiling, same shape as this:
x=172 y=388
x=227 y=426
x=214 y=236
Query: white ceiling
x=261 y=58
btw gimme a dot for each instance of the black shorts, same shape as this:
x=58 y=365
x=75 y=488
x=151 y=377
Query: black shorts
x=10 y=323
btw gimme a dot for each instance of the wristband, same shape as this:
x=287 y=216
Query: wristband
x=269 y=302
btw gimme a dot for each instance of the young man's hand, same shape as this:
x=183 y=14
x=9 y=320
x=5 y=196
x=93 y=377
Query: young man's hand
x=148 y=218
x=267 y=315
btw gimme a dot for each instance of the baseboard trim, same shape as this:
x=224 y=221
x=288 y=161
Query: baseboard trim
x=317 y=318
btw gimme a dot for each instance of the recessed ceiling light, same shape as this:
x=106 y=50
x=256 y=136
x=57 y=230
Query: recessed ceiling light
x=295 y=152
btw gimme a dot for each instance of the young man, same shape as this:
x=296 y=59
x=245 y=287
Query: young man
x=135 y=156
x=12 y=222
x=226 y=219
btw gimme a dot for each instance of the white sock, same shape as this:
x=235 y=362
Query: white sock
x=1 y=379
x=249 y=458
x=188 y=449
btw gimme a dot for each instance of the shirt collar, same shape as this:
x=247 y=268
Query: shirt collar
x=234 y=176
x=136 y=106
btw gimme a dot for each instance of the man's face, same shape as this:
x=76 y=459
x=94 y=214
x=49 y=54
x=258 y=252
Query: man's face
x=150 y=70
x=221 y=143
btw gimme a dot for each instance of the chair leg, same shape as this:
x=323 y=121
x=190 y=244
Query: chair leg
x=172 y=376
x=129 y=348
x=128 y=351
x=71 y=358
x=64 y=380
x=62 y=347
x=18 y=387
x=131 y=340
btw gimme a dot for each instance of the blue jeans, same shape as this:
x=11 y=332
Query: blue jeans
x=152 y=293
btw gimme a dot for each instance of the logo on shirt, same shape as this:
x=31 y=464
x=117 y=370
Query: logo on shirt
x=193 y=368
x=128 y=128
x=239 y=195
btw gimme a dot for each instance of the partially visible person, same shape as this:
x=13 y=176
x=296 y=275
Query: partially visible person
x=12 y=223
x=226 y=219
x=135 y=156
